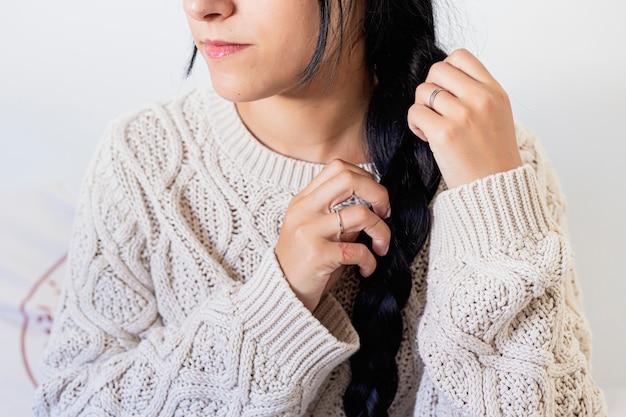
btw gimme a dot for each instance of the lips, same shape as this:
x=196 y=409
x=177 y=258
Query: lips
x=222 y=49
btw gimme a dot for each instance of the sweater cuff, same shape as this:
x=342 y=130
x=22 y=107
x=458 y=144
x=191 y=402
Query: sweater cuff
x=301 y=342
x=496 y=213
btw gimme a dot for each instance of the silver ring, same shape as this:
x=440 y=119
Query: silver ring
x=336 y=209
x=431 y=100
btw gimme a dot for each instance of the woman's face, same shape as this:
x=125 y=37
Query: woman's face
x=254 y=49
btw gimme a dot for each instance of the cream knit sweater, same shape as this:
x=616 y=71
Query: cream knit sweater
x=175 y=305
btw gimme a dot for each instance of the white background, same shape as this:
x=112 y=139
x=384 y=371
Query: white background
x=68 y=67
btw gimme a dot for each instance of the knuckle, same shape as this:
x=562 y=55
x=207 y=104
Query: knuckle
x=503 y=97
x=345 y=177
x=414 y=115
x=379 y=231
x=462 y=52
x=336 y=165
x=447 y=134
x=436 y=67
x=484 y=102
x=361 y=212
x=368 y=263
x=492 y=100
x=464 y=116
x=360 y=252
x=302 y=234
x=386 y=231
x=420 y=92
x=459 y=54
x=384 y=192
x=289 y=220
x=315 y=253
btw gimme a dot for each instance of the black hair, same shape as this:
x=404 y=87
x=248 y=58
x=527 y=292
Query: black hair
x=192 y=61
x=400 y=48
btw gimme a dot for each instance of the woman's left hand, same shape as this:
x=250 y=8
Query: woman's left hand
x=470 y=126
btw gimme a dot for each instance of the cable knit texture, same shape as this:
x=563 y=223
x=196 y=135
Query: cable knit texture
x=175 y=305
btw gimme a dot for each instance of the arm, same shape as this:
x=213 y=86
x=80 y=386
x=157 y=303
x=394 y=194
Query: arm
x=245 y=350
x=503 y=331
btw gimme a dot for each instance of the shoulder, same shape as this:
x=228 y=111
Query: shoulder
x=160 y=125
x=152 y=142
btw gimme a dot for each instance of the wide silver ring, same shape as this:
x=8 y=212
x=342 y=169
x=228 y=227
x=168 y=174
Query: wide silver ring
x=336 y=209
x=431 y=100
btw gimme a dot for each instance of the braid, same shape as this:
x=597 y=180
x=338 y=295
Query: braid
x=401 y=47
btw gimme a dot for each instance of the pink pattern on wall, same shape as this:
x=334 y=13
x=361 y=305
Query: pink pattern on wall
x=37 y=311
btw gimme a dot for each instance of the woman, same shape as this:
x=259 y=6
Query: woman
x=364 y=232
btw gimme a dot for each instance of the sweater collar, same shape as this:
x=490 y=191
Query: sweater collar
x=255 y=158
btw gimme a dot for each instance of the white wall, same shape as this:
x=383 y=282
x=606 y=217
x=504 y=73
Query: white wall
x=68 y=67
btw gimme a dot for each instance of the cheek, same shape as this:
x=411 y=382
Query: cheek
x=284 y=53
x=292 y=31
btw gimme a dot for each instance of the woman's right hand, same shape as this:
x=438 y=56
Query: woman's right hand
x=311 y=249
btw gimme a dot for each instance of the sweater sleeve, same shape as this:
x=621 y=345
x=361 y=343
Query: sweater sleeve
x=503 y=332
x=249 y=349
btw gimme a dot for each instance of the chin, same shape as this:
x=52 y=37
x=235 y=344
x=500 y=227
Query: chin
x=248 y=86
x=235 y=93
x=235 y=88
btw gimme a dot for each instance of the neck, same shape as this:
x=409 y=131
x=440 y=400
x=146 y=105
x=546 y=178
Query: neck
x=318 y=123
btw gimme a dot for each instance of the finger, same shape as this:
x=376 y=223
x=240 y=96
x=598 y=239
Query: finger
x=423 y=121
x=355 y=219
x=346 y=253
x=347 y=183
x=465 y=61
x=454 y=80
x=437 y=99
x=332 y=169
x=419 y=132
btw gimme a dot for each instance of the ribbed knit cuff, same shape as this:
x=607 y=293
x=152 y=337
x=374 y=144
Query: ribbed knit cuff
x=497 y=213
x=297 y=339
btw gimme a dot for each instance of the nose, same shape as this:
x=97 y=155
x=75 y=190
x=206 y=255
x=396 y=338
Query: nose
x=208 y=9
